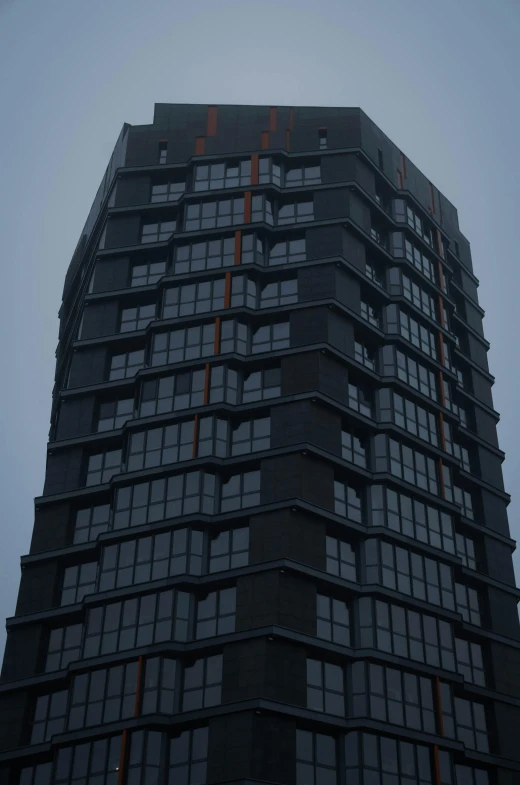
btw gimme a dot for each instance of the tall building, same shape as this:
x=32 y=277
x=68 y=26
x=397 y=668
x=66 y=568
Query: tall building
x=272 y=544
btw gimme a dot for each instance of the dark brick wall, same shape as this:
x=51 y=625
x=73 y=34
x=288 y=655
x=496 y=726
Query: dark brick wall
x=297 y=476
x=88 y=367
x=111 y=274
x=64 y=471
x=51 y=527
x=100 y=319
x=304 y=422
x=22 y=653
x=123 y=231
x=135 y=190
x=287 y=534
x=38 y=588
x=276 y=598
x=76 y=417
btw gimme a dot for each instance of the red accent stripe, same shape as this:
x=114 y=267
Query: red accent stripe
x=227 y=290
x=122 y=760
x=399 y=179
x=211 y=123
x=265 y=140
x=206 y=384
x=254 y=169
x=272 y=118
x=403 y=165
x=436 y=765
x=432 y=198
x=247 y=207
x=200 y=144
x=216 y=347
x=288 y=140
x=443 y=397
x=441 y=422
x=238 y=247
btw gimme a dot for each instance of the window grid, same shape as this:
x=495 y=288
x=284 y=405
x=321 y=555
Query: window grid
x=204 y=255
x=209 y=177
x=210 y=215
x=229 y=550
x=279 y=293
x=158 y=232
x=340 y=558
x=123 y=366
x=409 y=465
x=64 y=647
x=288 y=252
x=188 y=757
x=262 y=210
x=470 y=662
x=418 y=297
x=364 y=355
x=467 y=604
x=114 y=414
x=375 y=275
x=297 y=212
x=370 y=314
x=464 y=720
x=381 y=760
x=168 y=192
x=347 y=501
x=270 y=337
x=360 y=400
x=240 y=491
x=202 y=684
x=189 y=343
x=102 y=467
x=216 y=613
x=303 y=175
x=89 y=762
x=172 y=393
x=417 y=335
x=353 y=449
x=102 y=696
x=147 y=273
x=160 y=446
x=409 y=371
x=408 y=415
x=136 y=318
x=78 y=581
x=466 y=551
x=269 y=171
x=194 y=298
x=315 y=758
x=91 y=522
x=332 y=620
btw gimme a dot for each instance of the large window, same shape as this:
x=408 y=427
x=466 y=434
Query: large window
x=159 y=446
x=49 y=716
x=64 y=647
x=172 y=393
x=89 y=763
x=303 y=175
x=140 y=621
x=136 y=318
x=252 y=249
x=124 y=366
x=262 y=209
x=270 y=337
x=315 y=758
x=403 y=248
x=240 y=490
x=340 y=558
x=209 y=177
x=279 y=293
x=332 y=620
x=410 y=465
x=396 y=363
x=409 y=328
x=232 y=386
x=215 y=613
x=78 y=581
x=380 y=760
x=412 y=518
x=147 y=273
x=188 y=757
x=103 y=466
x=114 y=414
x=470 y=662
x=269 y=171
x=229 y=549
x=325 y=687
x=347 y=501
x=365 y=355
x=408 y=415
x=158 y=232
x=465 y=547
x=193 y=298
x=464 y=720
x=210 y=215
x=91 y=522
x=204 y=255
x=297 y=212
x=353 y=449
x=467 y=603
x=370 y=314
x=168 y=192
x=188 y=343
x=360 y=400
x=288 y=251
x=101 y=696
x=202 y=683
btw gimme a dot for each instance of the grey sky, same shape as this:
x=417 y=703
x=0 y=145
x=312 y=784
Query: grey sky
x=440 y=79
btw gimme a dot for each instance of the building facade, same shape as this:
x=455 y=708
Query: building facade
x=272 y=543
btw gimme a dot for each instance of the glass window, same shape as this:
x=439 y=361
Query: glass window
x=204 y=255
x=347 y=501
x=241 y=490
x=140 y=621
x=279 y=293
x=91 y=522
x=315 y=759
x=163 y=152
x=172 y=393
x=408 y=415
x=137 y=318
x=64 y=647
x=232 y=174
x=411 y=331
x=341 y=558
x=216 y=613
x=124 y=366
x=353 y=449
x=269 y=171
x=200 y=297
x=189 y=343
x=261 y=385
x=147 y=273
x=103 y=466
x=381 y=760
x=322 y=139
x=303 y=175
x=325 y=687
x=376 y=275
x=288 y=251
x=297 y=212
x=159 y=686
x=270 y=337
x=160 y=446
x=49 y=716
x=93 y=762
x=360 y=400
x=101 y=696
x=466 y=551
x=251 y=436
x=252 y=249
x=332 y=620
x=229 y=549
x=464 y=720
x=78 y=581
x=467 y=604
x=365 y=355
x=410 y=465
x=396 y=363
x=470 y=661
x=370 y=314
x=114 y=414
x=261 y=209
x=210 y=215
x=419 y=297
x=36 y=775
x=188 y=757
x=233 y=337
x=168 y=192
x=202 y=684
x=158 y=232
x=145 y=757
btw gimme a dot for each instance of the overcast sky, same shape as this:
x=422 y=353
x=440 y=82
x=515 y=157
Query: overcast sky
x=440 y=79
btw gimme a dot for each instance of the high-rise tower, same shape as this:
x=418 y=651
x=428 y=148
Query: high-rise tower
x=272 y=543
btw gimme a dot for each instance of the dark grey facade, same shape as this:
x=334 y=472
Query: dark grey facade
x=273 y=542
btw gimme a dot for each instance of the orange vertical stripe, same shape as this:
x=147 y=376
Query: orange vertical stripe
x=265 y=140
x=443 y=439
x=441 y=312
x=272 y=118
x=399 y=179
x=195 y=435
x=436 y=765
x=288 y=140
x=238 y=247
x=200 y=142
x=441 y=346
x=138 y=687
x=206 y=384
x=227 y=290
x=122 y=760
x=443 y=397
x=403 y=165
x=254 y=169
x=216 y=348
x=439 y=706
x=432 y=198
x=247 y=207
x=211 y=123
x=440 y=244
x=291 y=118
x=443 y=489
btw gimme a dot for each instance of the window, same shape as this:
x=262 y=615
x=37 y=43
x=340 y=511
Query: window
x=315 y=758
x=396 y=363
x=140 y=621
x=241 y=490
x=168 y=192
x=409 y=573
x=168 y=497
x=279 y=293
x=103 y=466
x=229 y=549
x=172 y=393
x=159 y=446
x=411 y=330
x=347 y=501
x=325 y=687
x=463 y=455
x=200 y=297
x=303 y=175
x=410 y=465
x=188 y=343
x=205 y=255
x=370 y=314
x=233 y=337
x=270 y=337
x=36 y=775
x=416 y=223
x=403 y=248
x=210 y=215
x=251 y=436
x=145 y=758
x=269 y=171
x=78 y=581
x=163 y=152
x=158 y=694
x=158 y=232
x=91 y=522
x=124 y=366
x=375 y=274
x=405 y=633
x=287 y=252
x=364 y=355
x=464 y=720
x=353 y=449
x=297 y=212
x=262 y=209
x=136 y=318
x=216 y=613
x=419 y=297
x=114 y=414
x=380 y=759
x=360 y=400
x=332 y=620
x=147 y=273
x=452 y=773
x=243 y=291
x=378 y=234
x=202 y=683
x=408 y=415
x=470 y=663
x=392 y=696
x=466 y=551
x=225 y=175
x=412 y=518
x=467 y=603
x=188 y=757
x=322 y=138
x=341 y=558
x=89 y=762
x=177 y=552
x=102 y=696
x=49 y=716
x=261 y=385
x=64 y=647
x=252 y=249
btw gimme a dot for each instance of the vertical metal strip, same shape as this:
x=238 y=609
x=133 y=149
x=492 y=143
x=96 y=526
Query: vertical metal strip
x=272 y=118
x=121 y=774
x=254 y=169
x=211 y=123
x=227 y=290
x=200 y=142
x=238 y=247
x=247 y=207
x=216 y=347
x=265 y=140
